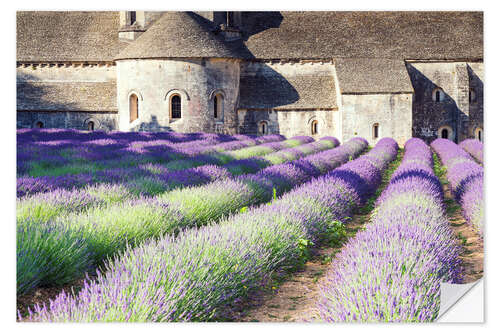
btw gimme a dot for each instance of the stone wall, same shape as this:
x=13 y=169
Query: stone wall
x=288 y=122
x=453 y=111
x=67 y=95
x=105 y=121
x=195 y=80
x=476 y=83
x=392 y=113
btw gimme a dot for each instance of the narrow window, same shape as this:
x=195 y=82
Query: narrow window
x=314 y=127
x=479 y=135
x=263 y=127
x=133 y=107
x=438 y=95
x=375 y=131
x=39 y=124
x=175 y=107
x=90 y=125
x=472 y=96
x=216 y=107
x=219 y=107
x=444 y=133
x=132 y=18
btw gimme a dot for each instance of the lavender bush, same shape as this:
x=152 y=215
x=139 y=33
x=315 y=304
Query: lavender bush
x=107 y=229
x=192 y=277
x=129 y=166
x=59 y=152
x=473 y=147
x=392 y=270
x=466 y=180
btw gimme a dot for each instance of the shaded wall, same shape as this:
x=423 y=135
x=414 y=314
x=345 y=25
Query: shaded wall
x=66 y=96
x=455 y=110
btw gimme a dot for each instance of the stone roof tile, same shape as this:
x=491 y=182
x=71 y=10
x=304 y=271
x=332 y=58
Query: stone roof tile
x=67 y=36
x=67 y=96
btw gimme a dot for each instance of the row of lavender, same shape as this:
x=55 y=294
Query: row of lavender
x=193 y=276
x=44 y=206
x=55 y=134
x=473 y=147
x=73 y=156
x=63 y=234
x=39 y=149
x=392 y=270
x=139 y=168
x=466 y=180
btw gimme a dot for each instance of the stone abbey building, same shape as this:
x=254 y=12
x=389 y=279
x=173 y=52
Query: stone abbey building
x=345 y=74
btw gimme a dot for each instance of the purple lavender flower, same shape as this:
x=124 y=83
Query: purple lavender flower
x=466 y=180
x=392 y=270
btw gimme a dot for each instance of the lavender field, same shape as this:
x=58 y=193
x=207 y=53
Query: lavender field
x=182 y=226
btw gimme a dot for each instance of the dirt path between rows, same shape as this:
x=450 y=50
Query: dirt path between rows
x=295 y=299
x=472 y=256
x=473 y=248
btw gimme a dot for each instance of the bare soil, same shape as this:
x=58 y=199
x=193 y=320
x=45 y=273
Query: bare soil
x=473 y=248
x=295 y=299
x=43 y=295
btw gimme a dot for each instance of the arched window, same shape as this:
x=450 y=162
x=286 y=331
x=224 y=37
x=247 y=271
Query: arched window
x=263 y=127
x=314 y=127
x=218 y=106
x=446 y=132
x=472 y=96
x=438 y=95
x=133 y=107
x=375 y=131
x=90 y=125
x=175 y=107
x=39 y=124
x=478 y=133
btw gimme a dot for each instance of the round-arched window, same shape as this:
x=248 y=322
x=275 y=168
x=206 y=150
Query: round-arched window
x=39 y=124
x=314 y=127
x=133 y=107
x=478 y=134
x=263 y=129
x=375 y=130
x=218 y=107
x=446 y=132
x=175 y=107
x=90 y=125
x=438 y=95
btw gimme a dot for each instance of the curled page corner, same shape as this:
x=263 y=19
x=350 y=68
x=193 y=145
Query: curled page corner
x=456 y=306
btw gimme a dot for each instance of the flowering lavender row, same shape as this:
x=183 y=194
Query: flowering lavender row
x=128 y=186
x=106 y=229
x=473 y=147
x=27 y=185
x=466 y=180
x=30 y=135
x=193 y=276
x=392 y=270
x=76 y=156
